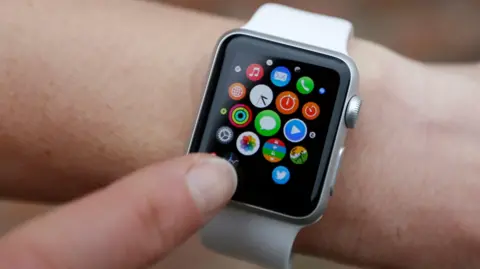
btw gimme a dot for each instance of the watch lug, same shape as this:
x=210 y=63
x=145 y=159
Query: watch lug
x=338 y=162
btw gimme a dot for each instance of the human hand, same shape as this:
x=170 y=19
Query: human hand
x=128 y=225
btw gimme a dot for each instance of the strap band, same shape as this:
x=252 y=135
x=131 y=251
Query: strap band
x=302 y=26
x=251 y=237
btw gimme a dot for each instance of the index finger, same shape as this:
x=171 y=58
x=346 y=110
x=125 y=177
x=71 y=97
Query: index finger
x=129 y=225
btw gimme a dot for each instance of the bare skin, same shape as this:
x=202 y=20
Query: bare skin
x=91 y=90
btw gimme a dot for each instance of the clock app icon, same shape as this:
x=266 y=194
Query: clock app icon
x=261 y=96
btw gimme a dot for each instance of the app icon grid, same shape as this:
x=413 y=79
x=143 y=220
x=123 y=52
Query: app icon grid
x=273 y=149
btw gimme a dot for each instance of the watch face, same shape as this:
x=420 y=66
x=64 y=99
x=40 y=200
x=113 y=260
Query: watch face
x=273 y=111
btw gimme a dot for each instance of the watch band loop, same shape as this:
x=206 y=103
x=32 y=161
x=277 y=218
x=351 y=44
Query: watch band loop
x=251 y=237
x=302 y=26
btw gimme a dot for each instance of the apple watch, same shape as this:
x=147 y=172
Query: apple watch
x=281 y=94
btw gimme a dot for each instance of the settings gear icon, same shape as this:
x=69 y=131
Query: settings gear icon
x=225 y=135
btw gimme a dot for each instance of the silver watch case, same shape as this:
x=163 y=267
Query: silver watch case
x=338 y=147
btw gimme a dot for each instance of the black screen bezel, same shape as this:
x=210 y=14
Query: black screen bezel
x=315 y=58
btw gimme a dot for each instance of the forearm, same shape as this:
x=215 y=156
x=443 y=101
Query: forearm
x=91 y=90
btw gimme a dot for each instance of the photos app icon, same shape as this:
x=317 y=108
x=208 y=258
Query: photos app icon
x=248 y=143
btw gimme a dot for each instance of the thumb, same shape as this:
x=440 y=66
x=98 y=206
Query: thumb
x=129 y=224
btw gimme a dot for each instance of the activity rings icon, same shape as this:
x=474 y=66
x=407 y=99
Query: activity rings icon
x=240 y=115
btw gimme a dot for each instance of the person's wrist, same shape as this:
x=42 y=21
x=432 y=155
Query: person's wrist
x=406 y=166
x=319 y=239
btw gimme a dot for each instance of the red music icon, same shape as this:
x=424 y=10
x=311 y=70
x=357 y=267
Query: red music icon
x=255 y=72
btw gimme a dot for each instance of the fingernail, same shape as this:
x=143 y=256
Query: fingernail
x=212 y=183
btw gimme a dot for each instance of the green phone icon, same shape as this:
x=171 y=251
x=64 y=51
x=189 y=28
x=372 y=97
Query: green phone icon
x=305 y=85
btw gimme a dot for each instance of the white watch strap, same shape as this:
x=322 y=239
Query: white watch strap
x=302 y=26
x=250 y=237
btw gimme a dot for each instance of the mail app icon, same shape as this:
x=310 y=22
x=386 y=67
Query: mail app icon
x=280 y=76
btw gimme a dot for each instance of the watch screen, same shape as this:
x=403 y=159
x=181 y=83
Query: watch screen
x=273 y=112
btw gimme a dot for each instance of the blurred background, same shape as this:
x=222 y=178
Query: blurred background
x=427 y=30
